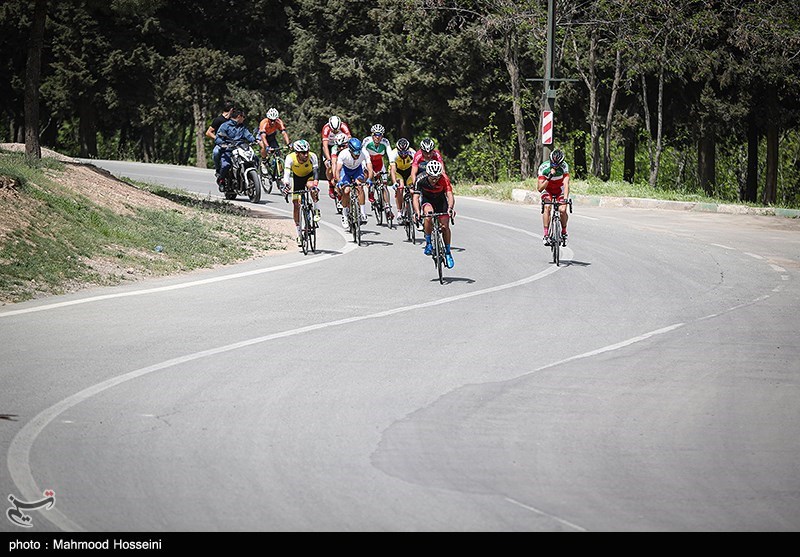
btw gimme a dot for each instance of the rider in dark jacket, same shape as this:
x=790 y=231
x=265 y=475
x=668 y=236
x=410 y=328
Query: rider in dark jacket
x=229 y=133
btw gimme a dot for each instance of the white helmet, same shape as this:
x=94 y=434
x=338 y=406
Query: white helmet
x=339 y=139
x=434 y=168
x=427 y=145
x=301 y=146
x=272 y=113
x=377 y=129
x=335 y=122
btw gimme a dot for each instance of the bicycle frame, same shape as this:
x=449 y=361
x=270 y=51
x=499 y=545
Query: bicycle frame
x=554 y=228
x=437 y=240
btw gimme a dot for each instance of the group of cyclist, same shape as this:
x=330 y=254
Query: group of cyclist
x=351 y=162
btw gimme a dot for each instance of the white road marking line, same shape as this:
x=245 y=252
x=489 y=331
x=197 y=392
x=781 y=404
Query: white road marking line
x=191 y=284
x=777 y=268
x=723 y=246
x=18 y=457
x=753 y=255
x=548 y=515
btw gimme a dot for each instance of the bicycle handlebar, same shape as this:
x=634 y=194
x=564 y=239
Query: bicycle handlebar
x=432 y=215
x=556 y=204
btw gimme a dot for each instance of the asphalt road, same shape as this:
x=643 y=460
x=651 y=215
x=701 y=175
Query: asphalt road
x=650 y=383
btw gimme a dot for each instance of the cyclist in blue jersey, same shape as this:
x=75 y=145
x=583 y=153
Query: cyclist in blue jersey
x=350 y=165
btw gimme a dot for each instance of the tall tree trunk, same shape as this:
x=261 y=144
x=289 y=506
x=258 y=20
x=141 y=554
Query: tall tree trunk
x=199 y=112
x=148 y=143
x=512 y=65
x=579 y=150
x=590 y=79
x=605 y=173
x=707 y=161
x=629 y=171
x=33 y=74
x=771 y=181
x=655 y=144
x=87 y=128
x=751 y=184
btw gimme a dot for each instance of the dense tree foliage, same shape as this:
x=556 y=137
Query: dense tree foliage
x=698 y=95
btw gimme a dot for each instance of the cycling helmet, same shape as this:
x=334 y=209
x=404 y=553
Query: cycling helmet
x=339 y=139
x=557 y=157
x=403 y=144
x=272 y=114
x=335 y=122
x=377 y=129
x=355 y=146
x=301 y=146
x=434 y=168
x=427 y=145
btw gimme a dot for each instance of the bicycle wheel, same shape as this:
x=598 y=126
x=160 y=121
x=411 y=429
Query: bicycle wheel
x=377 y=206
x=304 y=228
x=555 y=239
x=312 y=238
x=438 y=252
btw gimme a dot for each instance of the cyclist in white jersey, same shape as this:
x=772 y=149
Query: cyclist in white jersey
x=350 y=165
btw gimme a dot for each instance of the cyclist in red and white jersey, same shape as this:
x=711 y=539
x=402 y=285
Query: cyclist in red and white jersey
x=554 y=183
x=433 y=193
x=333 y=127
x=427 y=152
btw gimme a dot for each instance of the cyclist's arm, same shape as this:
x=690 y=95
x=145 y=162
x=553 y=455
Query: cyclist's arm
x=315 y=167
x=542 y=183
x=370 y=171
x=285 y=137
x=287 y=168
x=566 y=186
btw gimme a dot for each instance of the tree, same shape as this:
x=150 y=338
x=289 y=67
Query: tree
x=200 y=76
x=32 y=79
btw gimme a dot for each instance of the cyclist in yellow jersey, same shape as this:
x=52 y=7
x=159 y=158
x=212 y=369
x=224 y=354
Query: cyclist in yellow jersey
x=404 y=157
x=301 y=166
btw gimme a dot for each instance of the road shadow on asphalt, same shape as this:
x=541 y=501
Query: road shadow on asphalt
x=448 y=280
x=568 y=263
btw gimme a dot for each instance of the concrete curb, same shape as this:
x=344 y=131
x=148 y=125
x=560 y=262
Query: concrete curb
x=532 y=197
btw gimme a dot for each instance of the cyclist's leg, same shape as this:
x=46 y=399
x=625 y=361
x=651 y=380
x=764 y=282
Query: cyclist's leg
x=564 y=216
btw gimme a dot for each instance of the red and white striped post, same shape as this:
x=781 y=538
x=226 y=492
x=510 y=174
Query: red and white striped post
x=547 y=127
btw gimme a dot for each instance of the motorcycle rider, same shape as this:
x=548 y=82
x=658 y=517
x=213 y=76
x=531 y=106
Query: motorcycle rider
x=228 y=135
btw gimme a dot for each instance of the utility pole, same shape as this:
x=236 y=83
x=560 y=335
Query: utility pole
x=549 y=96
x=550 y=83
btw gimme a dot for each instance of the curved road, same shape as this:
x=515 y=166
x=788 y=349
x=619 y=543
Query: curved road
x=652 y=382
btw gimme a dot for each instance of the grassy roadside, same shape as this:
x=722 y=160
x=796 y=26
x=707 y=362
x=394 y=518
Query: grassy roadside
x=55 y=240
x=502 y=191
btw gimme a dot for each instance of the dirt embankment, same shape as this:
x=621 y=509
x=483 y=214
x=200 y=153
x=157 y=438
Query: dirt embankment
x=101 y=187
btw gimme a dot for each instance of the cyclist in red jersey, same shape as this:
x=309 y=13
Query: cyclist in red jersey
x=333 y=127
x=433 y=193
x=554 y=183
x=427 y=152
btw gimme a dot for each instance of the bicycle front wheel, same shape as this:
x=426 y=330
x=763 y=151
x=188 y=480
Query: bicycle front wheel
x=438 y=252
x=304 y=230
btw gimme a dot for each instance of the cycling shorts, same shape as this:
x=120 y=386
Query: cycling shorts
x=437 y=200
x=351 y=175
x=548 y=196
x=405 y=174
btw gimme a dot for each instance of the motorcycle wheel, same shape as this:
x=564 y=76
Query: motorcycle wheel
x=253 y=186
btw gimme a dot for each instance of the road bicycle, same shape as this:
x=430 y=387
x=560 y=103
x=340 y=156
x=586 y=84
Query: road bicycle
x=408 y=214
x=271 y=169
x=354 y=215
x=379 y=207
x=308 y=226
x=554 y=238
x=437 y=241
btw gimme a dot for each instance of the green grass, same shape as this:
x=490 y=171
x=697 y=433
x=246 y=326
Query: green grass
x=502 y=191
x=67 y=232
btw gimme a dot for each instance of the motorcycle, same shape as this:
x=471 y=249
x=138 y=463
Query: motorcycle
x=243 y=177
